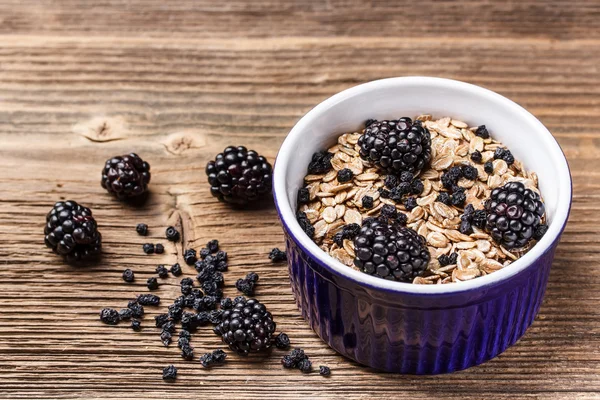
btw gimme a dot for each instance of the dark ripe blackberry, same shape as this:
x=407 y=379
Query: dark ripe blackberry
x=277 y=255
x=513 y=214
x=165 y=338
x=137 y=308
x=469 y=172
x=324 y=370
x=482 y=132
x=417 y=187
x=303 y=196
x=305 y=224
x=391 y=181
x=504 y=154
x=488 y=167
x=370 y=121
x=159 y=248
x=136 y=325
x=540 y=231
x=148 y=299
x=72 y=232
x=367 y=202
x=444 y=197
x=126 y=176
x=170 y=373
x=176 y=269
x=386 y=252
x=345 y=175
x=190 y=256
x=148 y=248
x=152 y=283
x=282 y=341
x=476 y=156
x=128 y=275
x=247 y=327
x=109 y=316
x=396 y=146
x=142 y=229
x=305 y=366
x=239 y=176
x=320 y=163
x=410 y=203
x=125 y=314
x=458 y=198
x=172 y=234
x=162 y=271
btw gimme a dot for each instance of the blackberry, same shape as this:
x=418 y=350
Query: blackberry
x=488 y=167
x=410 y=203
x=172 y=234
x=324 y=370
x=170 y=373
x=396 y=145
x=246 y=285
x=513 y=214
x=305 y=224
x=367 y=202
x=482 y=132
x=469 y=172
x=125 y=314
x=247 y=327
x=476 y=156
x=370 y=121
x=391 y=181
x=320 y=163
x=303 y=196
x=148 y=248
x=210 y=359
x=448 y=259
x=345 y=175
x=159 y=248
x=142 y=229
x=162 y=271
x=277 y=255
x=152 y=283
x=176 y=269
x=136 y=325
x=282 y=341
x=386 y=252
x=126 y=176
x=444 y=197
x=71 y=231
x=190 y=256
x=128 y=275
x=136 y=308
x=148 y=300
x=239 y=176
x=504 y=154
x=109 y=316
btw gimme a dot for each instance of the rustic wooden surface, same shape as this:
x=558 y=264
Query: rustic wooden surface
x=177 y=81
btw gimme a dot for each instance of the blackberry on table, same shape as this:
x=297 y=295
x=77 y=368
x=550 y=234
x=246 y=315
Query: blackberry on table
x=410 y=203
x=320 y=163
x=324 y=370
x=282 y=341
x=277 y=255
x=152 y=283
x=142 y=229
x=148 y=248
x=126 y=176
x=170 y=373
x=367 y=202
x=239 y=176
x=482 y=132
x=159 y=248
x=72 y=232
x=513 y=214
x=345 y=175
x=136 y=325
x=247 y=327
x=396 y=145
x=305 y=224
x=303 y=196
x=488 y=167
x=172 y=234
x=148 y=300
x=176 y=269
x=390 y=253
x=190 y=256
x=128 y=275
x=162 y=271
x=476 y=156
x=109 y=316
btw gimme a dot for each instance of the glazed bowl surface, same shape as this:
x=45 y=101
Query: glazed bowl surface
x=420 y=329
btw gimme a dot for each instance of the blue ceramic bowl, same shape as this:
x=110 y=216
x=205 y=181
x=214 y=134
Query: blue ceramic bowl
x=420 y=329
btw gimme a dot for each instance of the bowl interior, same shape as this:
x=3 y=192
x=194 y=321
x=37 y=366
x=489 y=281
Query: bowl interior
x=528 y=140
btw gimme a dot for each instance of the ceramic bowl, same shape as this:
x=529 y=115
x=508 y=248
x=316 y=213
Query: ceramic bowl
x=420 y=329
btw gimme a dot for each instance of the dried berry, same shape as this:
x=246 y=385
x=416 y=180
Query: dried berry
x=142 y=229
x=540 y=231
x=148 y=248
x=410 y=203
x=367 y=202
x=305 y=224
x=482 y=132
x=136 y=325
x=417 y=187
x=444 y=197
x=213 y=245
x=137 y=308
x=176 y=269
x=282 y=341
x=320 y=163
x=305 y=365
x=128 y=275
x=165 y=338
x=246 y=285
x=226 y=303
x=324 y=370
x=148 y=300
x=504 y=154
x=303 y=196
x=211 y=359
x=126 y=176
x=277 y=255
x=488 y=167
x=345 y=175
x=469 y=172
x=190 y=256
x=109 y=316
x=172 y=234
x=162 y=271
x=159 y=248
x=476 y=156
x=152 y=283
x=187 y=352
x=458 y=198
x=170 y=373
x=125 y=314
x=448 y=260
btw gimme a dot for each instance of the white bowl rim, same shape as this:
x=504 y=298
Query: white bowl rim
x=287 y=212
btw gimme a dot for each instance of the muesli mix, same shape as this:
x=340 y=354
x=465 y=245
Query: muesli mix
x=423 y=201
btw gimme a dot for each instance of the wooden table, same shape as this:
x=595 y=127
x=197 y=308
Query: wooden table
x=177 y=81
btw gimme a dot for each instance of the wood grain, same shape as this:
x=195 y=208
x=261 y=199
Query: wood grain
x=177 y=82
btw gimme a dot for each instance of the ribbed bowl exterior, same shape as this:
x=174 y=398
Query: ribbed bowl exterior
x=416 y=333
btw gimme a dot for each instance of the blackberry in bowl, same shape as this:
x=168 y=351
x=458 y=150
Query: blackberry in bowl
x=126 y=176
x=375 y=321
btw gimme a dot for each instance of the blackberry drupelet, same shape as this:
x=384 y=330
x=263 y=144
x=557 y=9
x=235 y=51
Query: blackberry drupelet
x=396 y=145
x=513 y=214
x=170 y=373
x=109 y=316
x=277 y=255
x=345 y=175
x=142 y=229
x=239 y=176
x=172 y=234
x=72 y=232
x=128 y=275
x=247 y=327
x=391 y=253
x=148 y=248
x=282 y=341
x=126 y=176
x=369 y=122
